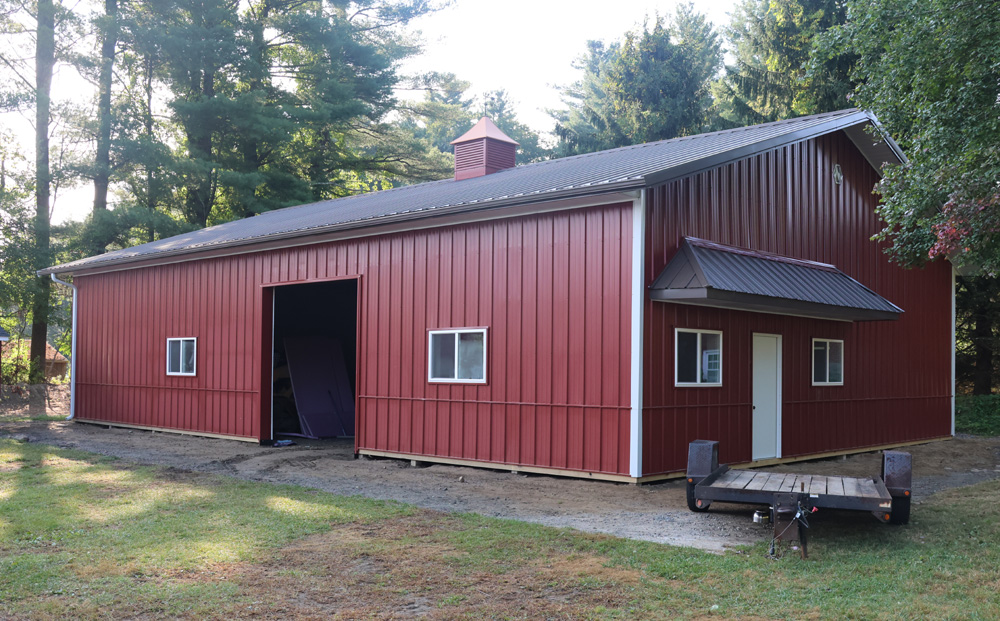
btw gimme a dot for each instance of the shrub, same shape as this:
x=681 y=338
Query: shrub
x=978 y=414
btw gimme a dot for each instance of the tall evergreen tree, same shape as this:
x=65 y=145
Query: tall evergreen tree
x=653 y=86
x=771 y=77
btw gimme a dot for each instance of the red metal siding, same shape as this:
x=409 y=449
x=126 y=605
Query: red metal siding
x=553 y=289
x=897 y=384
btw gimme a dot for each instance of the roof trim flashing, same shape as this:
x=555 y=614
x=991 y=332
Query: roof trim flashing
x=755 y=303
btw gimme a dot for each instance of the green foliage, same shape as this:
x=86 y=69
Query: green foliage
x=500 y=109
x=772 y=76
x=652 y=86
x=929 y=70
x=15 y=362
x=978 y=415
x=446 y=112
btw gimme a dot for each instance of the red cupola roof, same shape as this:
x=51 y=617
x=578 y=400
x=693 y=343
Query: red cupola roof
x=483 y=150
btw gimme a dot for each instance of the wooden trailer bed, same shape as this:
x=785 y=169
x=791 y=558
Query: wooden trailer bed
x=792 y=497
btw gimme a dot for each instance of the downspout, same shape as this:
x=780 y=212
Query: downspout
x=72 y=362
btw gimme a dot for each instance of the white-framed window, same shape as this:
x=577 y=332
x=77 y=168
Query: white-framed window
x=457 y=356
x=828 y=362
x=697 y=357
x=182 y=356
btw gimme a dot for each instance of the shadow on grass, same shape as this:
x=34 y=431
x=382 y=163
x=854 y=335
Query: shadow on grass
x=119 y=535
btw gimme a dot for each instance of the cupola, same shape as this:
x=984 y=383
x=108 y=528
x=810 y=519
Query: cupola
x=483 y=150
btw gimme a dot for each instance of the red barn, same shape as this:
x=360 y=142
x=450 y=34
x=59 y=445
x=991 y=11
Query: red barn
x=586 y=316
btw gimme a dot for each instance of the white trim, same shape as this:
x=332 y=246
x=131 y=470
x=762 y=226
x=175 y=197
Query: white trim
x=698 y=383
x=812 y=362
x=953 y=386
x=194 y=358
x=638 y=302
x=72 y=347
x=456 y=332
x=296 y=239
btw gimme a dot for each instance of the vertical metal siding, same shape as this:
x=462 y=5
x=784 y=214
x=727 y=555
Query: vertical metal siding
x=553 y=289
x=897 y=374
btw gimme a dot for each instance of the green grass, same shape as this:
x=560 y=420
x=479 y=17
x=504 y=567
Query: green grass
x=82 y=535
x=978 y=415
x=106 y=533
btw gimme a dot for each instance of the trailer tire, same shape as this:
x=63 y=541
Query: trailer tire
x=900 y=511
x=692 y=502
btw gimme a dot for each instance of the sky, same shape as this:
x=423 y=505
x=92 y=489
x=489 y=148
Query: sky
x=524 y=46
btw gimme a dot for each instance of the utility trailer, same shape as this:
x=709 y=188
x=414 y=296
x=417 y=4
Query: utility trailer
x=792 y=497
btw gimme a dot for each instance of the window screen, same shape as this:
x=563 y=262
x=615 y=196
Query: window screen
x=181 y=356
x=698 y=358
x=828 y=362
x=458 y=355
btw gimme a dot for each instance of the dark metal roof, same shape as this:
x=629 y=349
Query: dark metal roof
x=705 y=273
x=626 y=168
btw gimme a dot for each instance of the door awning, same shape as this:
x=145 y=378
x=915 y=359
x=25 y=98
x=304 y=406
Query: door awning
x=705 y=273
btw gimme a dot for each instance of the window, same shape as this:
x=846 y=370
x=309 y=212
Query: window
x=181 y=356
x=457 y=356
x=698 y=359
x=828 y=362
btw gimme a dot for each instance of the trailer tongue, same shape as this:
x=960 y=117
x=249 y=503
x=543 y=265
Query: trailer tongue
x=792 y=497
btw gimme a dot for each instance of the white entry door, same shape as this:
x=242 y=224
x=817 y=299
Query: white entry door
x=766 y=396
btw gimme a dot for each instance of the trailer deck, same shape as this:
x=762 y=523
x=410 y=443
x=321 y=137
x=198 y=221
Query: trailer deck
x=831 y=492
x=792 y=497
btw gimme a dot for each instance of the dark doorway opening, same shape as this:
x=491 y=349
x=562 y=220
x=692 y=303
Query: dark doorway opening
x=314 y=366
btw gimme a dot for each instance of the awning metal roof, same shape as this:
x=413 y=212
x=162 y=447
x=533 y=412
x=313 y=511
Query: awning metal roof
x=705 y=273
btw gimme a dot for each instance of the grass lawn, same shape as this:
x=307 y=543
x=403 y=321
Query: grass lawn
x=84 y=536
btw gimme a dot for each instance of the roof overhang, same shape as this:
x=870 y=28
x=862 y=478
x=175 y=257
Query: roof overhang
x=704 y=273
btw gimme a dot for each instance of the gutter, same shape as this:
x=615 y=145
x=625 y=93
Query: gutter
x=72 y=362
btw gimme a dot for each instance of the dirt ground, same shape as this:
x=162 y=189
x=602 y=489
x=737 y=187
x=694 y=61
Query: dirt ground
x=655 y=512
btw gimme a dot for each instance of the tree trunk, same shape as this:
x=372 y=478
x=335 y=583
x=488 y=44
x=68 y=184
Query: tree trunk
x=201 y=191
x=102 y=159
x=982 y=342
x=44 y=61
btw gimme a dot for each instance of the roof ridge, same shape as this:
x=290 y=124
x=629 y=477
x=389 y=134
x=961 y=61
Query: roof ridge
x=731 y=130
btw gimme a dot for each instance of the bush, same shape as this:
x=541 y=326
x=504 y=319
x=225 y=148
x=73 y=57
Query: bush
x=978 y=414
x=14 y=361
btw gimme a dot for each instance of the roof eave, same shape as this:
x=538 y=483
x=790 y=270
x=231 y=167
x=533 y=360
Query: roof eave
x=732 y=300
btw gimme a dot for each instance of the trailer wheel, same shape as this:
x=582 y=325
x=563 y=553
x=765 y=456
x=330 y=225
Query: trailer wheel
x=900 y=510
x=692 y=502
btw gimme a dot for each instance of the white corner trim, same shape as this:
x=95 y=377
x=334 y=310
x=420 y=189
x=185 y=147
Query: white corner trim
x=952 y=327
x=638 y=300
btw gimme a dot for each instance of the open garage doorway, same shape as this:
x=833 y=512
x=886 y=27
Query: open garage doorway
x=314 y=361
